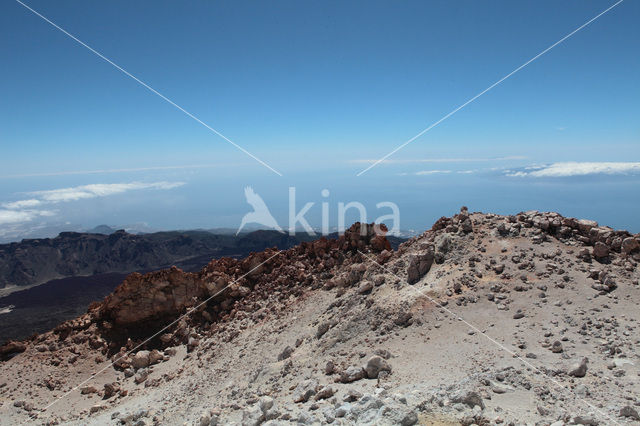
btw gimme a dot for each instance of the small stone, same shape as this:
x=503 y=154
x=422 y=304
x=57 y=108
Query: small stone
x=329 y=368
x=252 y=416
x=286 y=353
x=579 y=369
x=305 y=390
x=352 y=395
x=140 y=359
x=325 y=392
x=141 y=376
x=365 y=287
x=322 y=329
x=375 y=365
x=205 y=419
x=88 y=389
x=111 y=389
x=352 y=374
x=519 y=314
x=469 y=398
x=629 y=411
x=556 y=348
x=419 y=265
x=155 y=356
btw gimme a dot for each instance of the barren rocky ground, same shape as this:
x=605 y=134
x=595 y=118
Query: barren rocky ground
x=484 y=319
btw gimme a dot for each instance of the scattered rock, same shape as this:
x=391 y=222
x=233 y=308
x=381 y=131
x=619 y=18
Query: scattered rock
x=375 y=365
x=141 y=359
x=325 y=392
x=365 y=287
x=469 y=398
x=600 y=250
x=323 y=328
x=579 y=369
x=305 y=390
x=141 y=376
x=88 y=390
x=352 y=374
x=629 y=411
x=556 y=347
x=419 y=265
x=286 y=353
x=630 y=245
x=11 y=348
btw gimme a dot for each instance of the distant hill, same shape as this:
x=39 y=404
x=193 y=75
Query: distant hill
x=102 y=229
x=71 y=254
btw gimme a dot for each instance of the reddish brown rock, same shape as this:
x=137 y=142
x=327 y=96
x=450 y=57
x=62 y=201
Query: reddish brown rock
x=419 y=265
x=630 y=245
x=11 y=348
x=600 y=250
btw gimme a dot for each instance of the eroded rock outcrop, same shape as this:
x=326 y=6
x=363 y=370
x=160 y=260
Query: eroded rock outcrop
x=158 y=297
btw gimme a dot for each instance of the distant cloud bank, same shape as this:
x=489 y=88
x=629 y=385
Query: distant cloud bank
x=18 y=216
x=96 y=190
x=28 y=209
x=568 y=169
x=443 y=160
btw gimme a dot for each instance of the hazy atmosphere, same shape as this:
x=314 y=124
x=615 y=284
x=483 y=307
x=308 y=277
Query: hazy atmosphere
x=317 y=92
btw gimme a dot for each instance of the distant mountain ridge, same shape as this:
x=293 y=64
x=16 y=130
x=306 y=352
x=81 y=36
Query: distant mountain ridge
x=70 y=254
x=37 y=261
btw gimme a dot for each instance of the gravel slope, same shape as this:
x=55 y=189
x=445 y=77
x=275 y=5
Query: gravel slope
x=500 y=315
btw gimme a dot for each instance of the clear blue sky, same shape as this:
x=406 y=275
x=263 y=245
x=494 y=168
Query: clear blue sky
x=313 y=88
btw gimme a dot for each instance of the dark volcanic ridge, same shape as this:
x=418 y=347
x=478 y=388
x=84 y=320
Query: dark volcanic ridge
x=36 y=261
x=71 y=254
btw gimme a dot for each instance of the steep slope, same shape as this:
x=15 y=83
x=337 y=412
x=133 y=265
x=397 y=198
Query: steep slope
x=482 y=319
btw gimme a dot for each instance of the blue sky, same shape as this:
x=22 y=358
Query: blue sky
x=316 y=90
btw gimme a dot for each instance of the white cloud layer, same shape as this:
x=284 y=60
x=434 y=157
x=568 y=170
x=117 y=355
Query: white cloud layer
x=22 y=204
x=25 y=210
x=443 y=160
x=568 y=169
x=18 y=216
x=431 y=172
x=438 y=172
x=98 y=190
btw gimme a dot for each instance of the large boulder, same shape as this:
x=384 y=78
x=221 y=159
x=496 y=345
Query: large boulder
x=141 y=359
x=375 y=365
x=419 y=265
x=600 y=250
x=629 y=245
x=11 y=348
x=152 y=296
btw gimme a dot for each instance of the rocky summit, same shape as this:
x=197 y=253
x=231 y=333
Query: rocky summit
x=483 y=319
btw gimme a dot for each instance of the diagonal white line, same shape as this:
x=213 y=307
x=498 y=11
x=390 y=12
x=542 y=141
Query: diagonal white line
x=161 y=330
x=142 y=83
x=490 y=87
x=492 y=340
